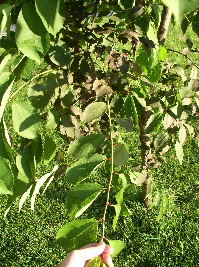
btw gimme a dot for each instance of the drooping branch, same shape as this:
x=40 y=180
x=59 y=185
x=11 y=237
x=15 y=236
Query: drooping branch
x=164 y=25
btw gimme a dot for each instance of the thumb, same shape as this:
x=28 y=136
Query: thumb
x=92 y=250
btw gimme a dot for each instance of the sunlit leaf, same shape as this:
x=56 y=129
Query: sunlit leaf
x=6 y=178
x=179 y=152
x=94 y=262
x=85 y=146
x=49 y=149
x=76 y=234
x=30 y=30
x=117 y=246
x=52 y=14
x=181 y=7
x=83 y=168
x=120 y=155
x=25 y=162
x=25 y=121
x=93 y=111
x=182 y=134
x=154 y=123
x=80 y=197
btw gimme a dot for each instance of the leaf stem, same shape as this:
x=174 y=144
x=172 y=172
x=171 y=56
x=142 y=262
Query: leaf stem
x=111 y=174
x=37 y=75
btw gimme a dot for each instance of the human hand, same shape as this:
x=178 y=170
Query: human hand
x=78 y=258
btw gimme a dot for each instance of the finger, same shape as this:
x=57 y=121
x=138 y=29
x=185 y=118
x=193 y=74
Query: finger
x=91 y=251
x=107 y=259
x=108 y=250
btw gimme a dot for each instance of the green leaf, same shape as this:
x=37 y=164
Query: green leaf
x=38 y=185
x=24 y=68
x=49 y=149
x=126 y=4
x=83 y=168
x=52 y=14
x=5 y=16
x=195 y=23
x=52 y=119
x=85 y=146
x=20 y=185
x=179 y=152
x=119 y=199
x=31 y=36
x=6 y=178
x=153 y=123
x=77 y=234
x=117 y=246
x=5 y=99
x=93 y=111
x=138 y=178
x=25 y=121
x=59 y=53
x=5 y=79
x=161 y=141
x=26 y=163
x=5 y=149
x=181 y=7
x=155 y=73
x=94 y=262
x=80 y=197
x=120 y=155
x=24 y=197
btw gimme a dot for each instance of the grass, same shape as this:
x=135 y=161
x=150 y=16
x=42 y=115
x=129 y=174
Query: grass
x=28 y=239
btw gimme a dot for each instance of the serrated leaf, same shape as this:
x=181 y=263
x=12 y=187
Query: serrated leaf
x=117 y=246
x=179 y=152
x=30 y=30
x=182 y=134
x=94 y=262
x=52 y=14
x=93 y=111
x=49 y=149
x=85 y=146
x=6 y=178
x=153 y=123
x=59 y=53
x=181 y=7
x=83 y=168
x=25 y=121
x=25 y=162
x=77 y=234
x=120 y=155
x=80 y=197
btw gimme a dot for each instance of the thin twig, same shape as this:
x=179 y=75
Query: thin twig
x=184 y=56
x=111 y=174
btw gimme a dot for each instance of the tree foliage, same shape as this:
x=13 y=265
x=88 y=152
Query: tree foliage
x=88 y=67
